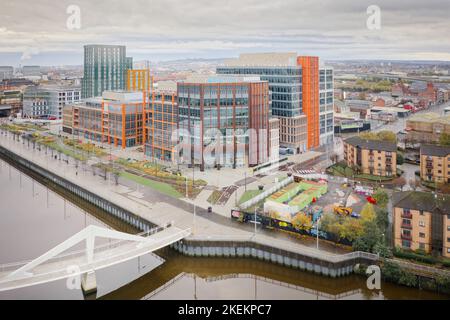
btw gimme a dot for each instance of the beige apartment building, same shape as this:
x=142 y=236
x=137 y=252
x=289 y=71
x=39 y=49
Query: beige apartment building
x=435 y=163
x=422 y=221
x=378 y=158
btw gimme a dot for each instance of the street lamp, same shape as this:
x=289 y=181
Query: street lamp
x=193 y=185
x=317 y=235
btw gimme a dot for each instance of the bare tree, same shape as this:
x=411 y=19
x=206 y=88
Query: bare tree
x=399 y=182
x=334 y=157
x=414 y=184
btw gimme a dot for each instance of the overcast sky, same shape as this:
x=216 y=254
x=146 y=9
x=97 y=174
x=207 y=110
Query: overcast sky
x=35 y=32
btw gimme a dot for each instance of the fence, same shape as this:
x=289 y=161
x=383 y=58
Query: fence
x=266 y=193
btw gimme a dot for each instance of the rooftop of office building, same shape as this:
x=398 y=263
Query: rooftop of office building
x=430 y=117
x=205 y=79
x=120 y=96
x=269 y=59
x=165 y=86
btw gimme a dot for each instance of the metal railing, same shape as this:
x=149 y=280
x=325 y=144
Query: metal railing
x=99 y=261
x=279 y=245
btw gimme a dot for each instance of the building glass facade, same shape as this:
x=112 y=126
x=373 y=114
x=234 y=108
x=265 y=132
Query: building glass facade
x=228 y=107
x=105 y=68
x=117 y=118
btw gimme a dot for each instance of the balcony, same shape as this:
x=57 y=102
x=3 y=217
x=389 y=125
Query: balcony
x=406 y=226
x=429 y=165
x=406 y=215
x=406 y=236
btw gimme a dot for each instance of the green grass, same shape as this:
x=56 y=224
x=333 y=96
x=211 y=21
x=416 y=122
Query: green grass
x=67 y=152
x=214 y=197
x=249 y=194
x=372 y=177
x=158 y=186
x=339 y=170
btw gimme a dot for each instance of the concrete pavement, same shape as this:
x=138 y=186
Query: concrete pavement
x=147 y=203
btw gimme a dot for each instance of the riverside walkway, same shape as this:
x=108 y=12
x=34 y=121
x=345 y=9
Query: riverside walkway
x=160 y=209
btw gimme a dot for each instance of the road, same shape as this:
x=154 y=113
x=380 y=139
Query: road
x=400 y=124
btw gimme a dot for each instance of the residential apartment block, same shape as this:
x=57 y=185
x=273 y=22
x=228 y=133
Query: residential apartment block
x=301 y=94
x=422 y=221
x=372 y=157
x=105 y=69
x=435 y=163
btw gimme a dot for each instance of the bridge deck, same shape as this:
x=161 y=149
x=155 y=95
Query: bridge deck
x=76 y=263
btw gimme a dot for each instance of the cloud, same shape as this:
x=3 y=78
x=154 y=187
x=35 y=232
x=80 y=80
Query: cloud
x=328 y=28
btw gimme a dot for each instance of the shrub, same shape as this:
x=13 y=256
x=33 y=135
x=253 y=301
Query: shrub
x=414 y=256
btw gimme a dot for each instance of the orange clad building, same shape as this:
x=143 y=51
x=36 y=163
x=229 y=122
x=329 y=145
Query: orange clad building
x=310 y=93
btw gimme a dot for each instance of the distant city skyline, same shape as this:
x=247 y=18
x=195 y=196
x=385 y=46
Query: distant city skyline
x=161 y=30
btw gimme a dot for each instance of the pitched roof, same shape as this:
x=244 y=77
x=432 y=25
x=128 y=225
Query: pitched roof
x=372 y=144
x=435 y=150
x=426 y=201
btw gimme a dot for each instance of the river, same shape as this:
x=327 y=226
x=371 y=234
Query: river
x=36 y=217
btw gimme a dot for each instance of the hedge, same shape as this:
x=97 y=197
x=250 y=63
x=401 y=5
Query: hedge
x=415 y=256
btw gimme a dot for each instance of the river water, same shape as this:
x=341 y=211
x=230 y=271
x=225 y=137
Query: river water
x=36 y=217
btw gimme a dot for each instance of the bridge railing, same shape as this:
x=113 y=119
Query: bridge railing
x=60 y=271
x=82 y=252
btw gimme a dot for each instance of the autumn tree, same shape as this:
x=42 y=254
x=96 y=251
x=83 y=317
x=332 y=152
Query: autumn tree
x=302 y=222
x=368 y=212
x=382 y=197
x=351 y=229
x=331 y=224
x=384 y=135
x=444 y=139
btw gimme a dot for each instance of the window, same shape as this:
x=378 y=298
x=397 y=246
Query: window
x=422 y=223
x=421 y=212
x=421 y=234
x=422 y=246
x=407 y=244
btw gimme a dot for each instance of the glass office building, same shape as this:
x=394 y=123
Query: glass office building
x=227 y=106
x=295 y=105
